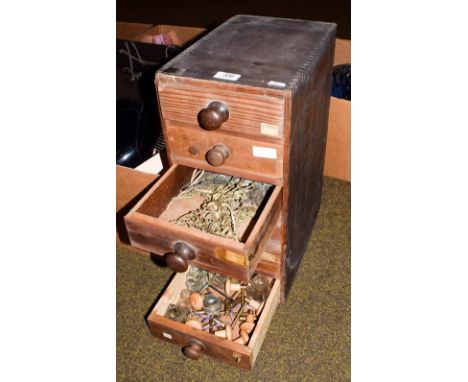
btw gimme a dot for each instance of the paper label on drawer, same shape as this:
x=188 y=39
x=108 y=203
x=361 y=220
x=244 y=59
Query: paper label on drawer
x=233 y=257
x=264 y=152
x=167 y=335
x=277 y=84
x=227 y=76
x=267 y=129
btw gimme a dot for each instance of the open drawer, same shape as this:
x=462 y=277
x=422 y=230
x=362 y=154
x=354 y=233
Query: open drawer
x=195 y=342
x=150 y=225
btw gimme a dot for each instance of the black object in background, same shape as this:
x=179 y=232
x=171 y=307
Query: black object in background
x=136 y=64
x=136 y=132
x=341 y=85
x=139 y=132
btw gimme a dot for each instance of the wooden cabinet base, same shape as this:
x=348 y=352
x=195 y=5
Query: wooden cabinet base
x=234 y=354
x=231 y=105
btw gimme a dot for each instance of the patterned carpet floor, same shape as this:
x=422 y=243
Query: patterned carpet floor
x=309 y=338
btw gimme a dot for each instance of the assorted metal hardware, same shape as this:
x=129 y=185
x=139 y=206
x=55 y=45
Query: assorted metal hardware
x=228 y=202
x=221 y=305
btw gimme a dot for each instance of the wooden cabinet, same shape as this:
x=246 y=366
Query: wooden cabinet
x=250 y=99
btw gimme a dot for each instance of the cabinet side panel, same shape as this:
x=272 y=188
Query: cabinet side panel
x=308 y=135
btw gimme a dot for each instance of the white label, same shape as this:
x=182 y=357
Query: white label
x=277 y=84
x=267 y=129
x=167 y=335
x=227 y=76
x=264 y=152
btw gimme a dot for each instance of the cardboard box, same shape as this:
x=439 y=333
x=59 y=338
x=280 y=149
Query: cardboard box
x=128 y=31
x=131 y=185
x=180 y=36
x=338 y=153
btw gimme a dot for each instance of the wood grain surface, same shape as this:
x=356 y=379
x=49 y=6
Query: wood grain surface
x=306 y=155
x=190 y=146
x=262 y=51
x=270 y=261
x=247 y=112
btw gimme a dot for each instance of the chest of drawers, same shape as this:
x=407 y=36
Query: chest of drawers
x=250 y=99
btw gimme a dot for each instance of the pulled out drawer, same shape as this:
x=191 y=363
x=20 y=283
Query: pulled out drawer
x=154 y=225
x=195 y=342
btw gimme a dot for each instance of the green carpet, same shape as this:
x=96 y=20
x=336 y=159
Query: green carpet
x=309 y=336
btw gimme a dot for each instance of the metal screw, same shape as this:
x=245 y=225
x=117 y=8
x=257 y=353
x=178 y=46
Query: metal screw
x=239 y=313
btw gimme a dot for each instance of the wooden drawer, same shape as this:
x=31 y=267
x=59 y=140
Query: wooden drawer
x=148 y=231
x=242 y=356
x=260 y=160
x=249 y=114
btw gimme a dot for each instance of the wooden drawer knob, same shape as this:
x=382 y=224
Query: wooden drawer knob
x=194 y=349
x=178 y=260
x=213 y=116
x=217 y=155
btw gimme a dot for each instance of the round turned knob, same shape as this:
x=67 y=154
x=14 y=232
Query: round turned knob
x=178 y=260
x=217 y=155
x=194 y=349
x=213 y=116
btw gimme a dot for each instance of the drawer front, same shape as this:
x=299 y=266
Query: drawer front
x=246 y=157
x=242 y=356
x=249 y=114
x=217 y=254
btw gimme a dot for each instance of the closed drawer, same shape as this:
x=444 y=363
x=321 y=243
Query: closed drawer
x=150 y=226
x=260 y=160
x=248 y=114
x=234 y=354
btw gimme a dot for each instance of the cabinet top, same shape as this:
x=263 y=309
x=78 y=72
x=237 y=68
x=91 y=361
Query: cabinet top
x=257 y=51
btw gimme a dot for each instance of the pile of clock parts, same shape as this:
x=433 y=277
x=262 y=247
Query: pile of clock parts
x=221 y=305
